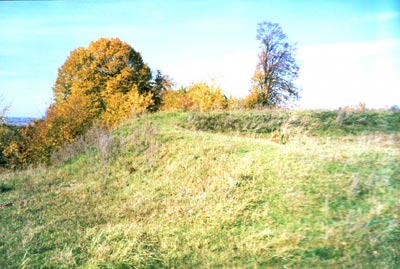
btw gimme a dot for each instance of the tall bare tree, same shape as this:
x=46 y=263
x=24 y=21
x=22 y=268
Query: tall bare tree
x=276 y=71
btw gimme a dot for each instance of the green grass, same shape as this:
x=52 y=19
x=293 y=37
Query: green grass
x=170 y=196
x=315 y=123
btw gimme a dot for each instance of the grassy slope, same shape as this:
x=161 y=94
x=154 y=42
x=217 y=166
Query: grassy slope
x=169 y=197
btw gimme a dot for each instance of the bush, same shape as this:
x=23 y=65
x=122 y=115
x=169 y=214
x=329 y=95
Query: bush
x=98 y=138
x=197 y=97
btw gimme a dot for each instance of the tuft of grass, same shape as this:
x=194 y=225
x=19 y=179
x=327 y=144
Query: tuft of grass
x=5 y=188
x=174 y=197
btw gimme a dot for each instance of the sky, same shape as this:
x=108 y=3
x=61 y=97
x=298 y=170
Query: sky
x=348 y=51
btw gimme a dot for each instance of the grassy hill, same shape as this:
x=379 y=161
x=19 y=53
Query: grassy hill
x=241 y=190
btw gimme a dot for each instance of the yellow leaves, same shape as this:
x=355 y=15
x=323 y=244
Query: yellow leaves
x=143 y=72
x=173 y=100
x=233 y=104
x=252 y=100
x=141 y=103
x=12 y=149
x=258 y=79
x=12 y=154
x=259 y=95
x=197 y=97
x=120 y=106
x=120 y=83
x=206 y=97
x=72 y=118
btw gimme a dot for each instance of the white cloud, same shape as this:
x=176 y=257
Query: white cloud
x=335 y=75
x=377 y=17
x=26 y=98
x=385 y=16
x=232 y=71
x=6 y=73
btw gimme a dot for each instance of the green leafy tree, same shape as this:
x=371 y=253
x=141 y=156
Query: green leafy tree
x=276 y=71
x=160 y=84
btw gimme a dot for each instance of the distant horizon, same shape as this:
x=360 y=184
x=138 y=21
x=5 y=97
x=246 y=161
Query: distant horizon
x=12 y=117
x=348 y=51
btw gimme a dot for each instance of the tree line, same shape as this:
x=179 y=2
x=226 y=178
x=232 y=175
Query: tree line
x=108 y=82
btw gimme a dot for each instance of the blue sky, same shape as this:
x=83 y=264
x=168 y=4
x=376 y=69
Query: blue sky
x=348 y=51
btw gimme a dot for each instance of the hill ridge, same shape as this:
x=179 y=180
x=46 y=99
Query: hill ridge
x=152 y=194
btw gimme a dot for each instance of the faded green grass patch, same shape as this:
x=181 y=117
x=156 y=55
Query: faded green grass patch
x=281 y=126
x=176 y=198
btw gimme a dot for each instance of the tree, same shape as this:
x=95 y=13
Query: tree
x=273 y=80
x=3 y=111
x=106 y=82
x=105 y=75
x=161 y=83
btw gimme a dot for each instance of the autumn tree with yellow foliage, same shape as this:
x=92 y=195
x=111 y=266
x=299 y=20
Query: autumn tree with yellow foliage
x=109 y=78
x=104 y=83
